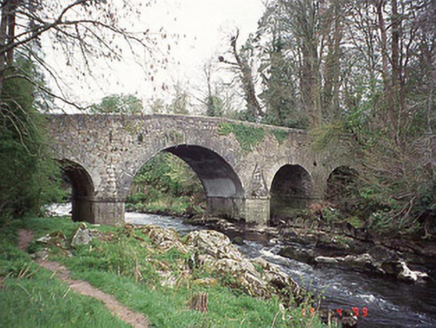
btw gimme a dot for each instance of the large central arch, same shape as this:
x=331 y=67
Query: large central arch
x=223 y=188
x=217 y=176
x=224 y=191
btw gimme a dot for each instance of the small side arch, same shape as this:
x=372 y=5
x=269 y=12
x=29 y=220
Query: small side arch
x=291 y=189
x=82 y=191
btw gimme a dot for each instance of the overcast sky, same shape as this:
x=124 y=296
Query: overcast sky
x=202 y=27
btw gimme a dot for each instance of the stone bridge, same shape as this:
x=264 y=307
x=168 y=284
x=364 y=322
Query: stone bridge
x=248 y=171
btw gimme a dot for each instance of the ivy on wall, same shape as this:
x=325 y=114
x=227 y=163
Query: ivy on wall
x=281 y=135
x=247 y=136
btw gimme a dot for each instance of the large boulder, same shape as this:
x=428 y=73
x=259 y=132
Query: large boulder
x=280 y=281
x=213 y=243
x=215 y=253
x=164 y=239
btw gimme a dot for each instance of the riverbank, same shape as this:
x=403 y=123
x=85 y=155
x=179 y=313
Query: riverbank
x=337 y=246
x=329 y=239
x=144 y=271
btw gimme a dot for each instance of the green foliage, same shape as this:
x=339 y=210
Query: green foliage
x=122 y=104
x=392 y=194
x=214 y=106
x=281 y=135
x=297 y=122
x=248 y=136
x=328 y=135
x=25 y=161
x=166 y=184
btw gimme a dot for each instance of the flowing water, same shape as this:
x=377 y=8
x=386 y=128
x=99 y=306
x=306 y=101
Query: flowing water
x=386 y=303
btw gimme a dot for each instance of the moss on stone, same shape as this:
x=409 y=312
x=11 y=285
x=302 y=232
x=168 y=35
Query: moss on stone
x=356 y=222
x=248 y=136
x=281 y=135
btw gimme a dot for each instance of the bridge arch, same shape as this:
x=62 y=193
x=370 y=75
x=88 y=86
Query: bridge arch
x=82 y=190
x=291 y=189
x=222 y=185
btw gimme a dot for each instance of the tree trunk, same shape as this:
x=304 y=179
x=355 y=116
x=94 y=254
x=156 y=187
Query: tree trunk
x=11 y=32
x=247 y=81
x=199 y=302
x=5 y=10
x=385 y=61
x=395 y=97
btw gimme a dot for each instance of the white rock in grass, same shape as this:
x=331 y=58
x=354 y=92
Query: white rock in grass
x=82 y=236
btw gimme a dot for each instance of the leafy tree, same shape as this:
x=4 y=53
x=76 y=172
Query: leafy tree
x=180 y=103
x=390 y=113
x=213 y=102
x=25 y=162
x=362 y=71
x=214 y=106
x=83 y=29
x=118 y=104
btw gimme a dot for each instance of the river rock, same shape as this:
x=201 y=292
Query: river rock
x=238 y=241
x=382 y=254
x=213 y=243
x=56 y=238
x=164 y=239
x=298 y=254
x=329 y=260
x=278 y=279
x=409 y=275
x=81 y=235
x=363 y=262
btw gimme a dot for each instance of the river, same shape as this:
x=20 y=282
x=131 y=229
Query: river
x=386 y=303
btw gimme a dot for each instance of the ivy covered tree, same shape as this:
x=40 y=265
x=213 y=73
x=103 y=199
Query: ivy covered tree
x=28 y=175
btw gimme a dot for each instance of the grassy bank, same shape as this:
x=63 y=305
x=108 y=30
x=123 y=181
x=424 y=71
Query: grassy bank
x=164 y=204
x=126 y=265
x=31 y=297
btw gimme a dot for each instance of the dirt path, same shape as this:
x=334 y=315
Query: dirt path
x=135 y=319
